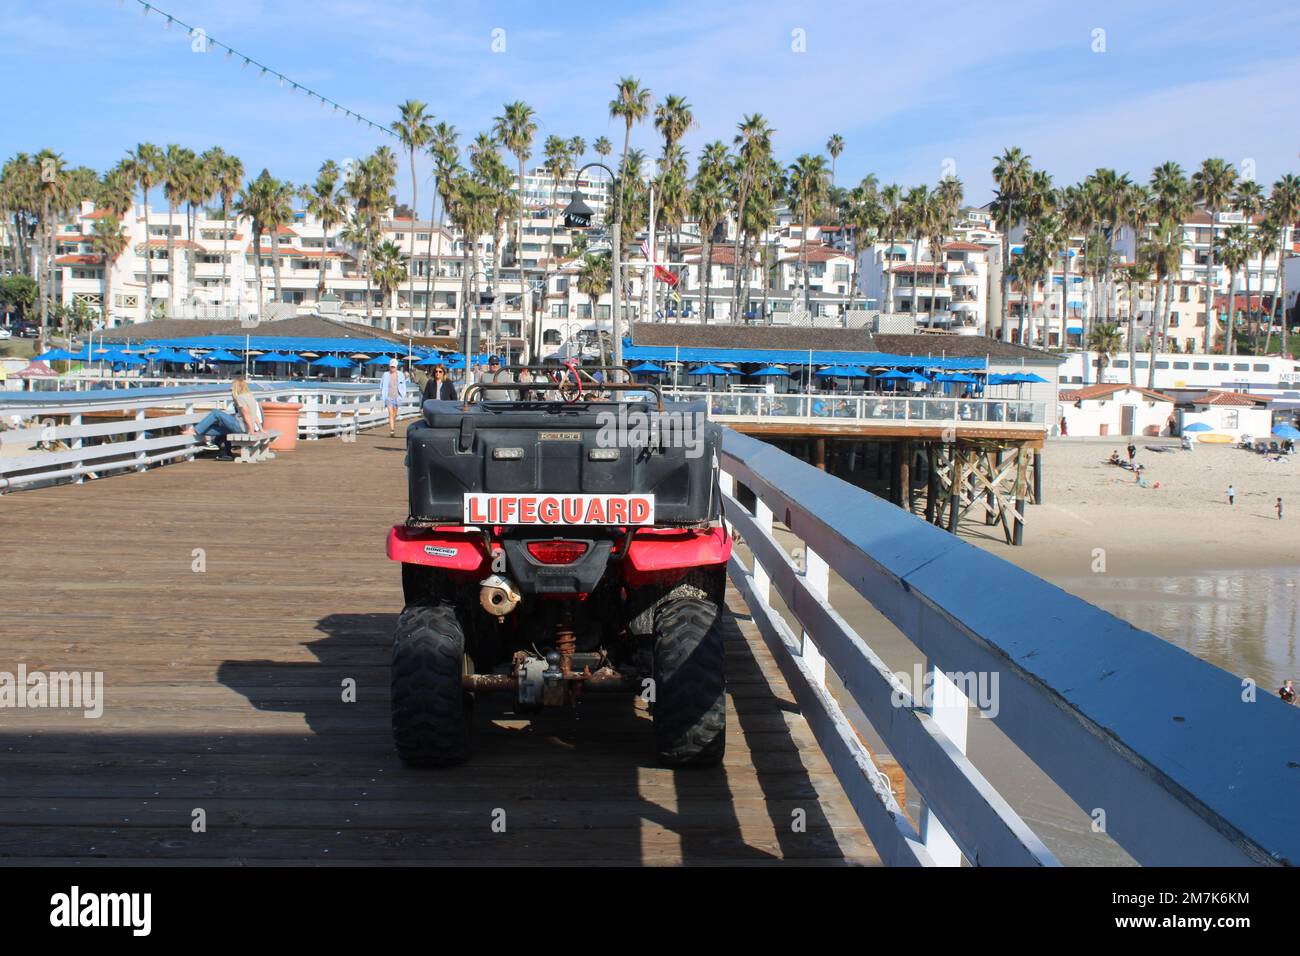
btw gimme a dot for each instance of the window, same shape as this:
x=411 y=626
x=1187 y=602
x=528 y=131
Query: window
x=842 y=273
x=1218 y=366
x=551 y=337
x=1120 y=363
x=1179 y=365
x=1202 y=366
x=560 y=310
x=1160 y=365
x=1240 y=367
x=1141 y=363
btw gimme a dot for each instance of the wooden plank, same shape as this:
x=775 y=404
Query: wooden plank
x=222 y=691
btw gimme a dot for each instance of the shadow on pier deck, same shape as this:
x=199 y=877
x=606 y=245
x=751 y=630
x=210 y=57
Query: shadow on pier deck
x=227 y=605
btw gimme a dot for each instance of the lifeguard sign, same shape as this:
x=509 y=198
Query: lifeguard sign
x=577 y=214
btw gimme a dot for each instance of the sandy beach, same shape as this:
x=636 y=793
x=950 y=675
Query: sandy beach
x=1184 y=525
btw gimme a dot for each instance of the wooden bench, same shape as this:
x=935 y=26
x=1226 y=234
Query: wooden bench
x=253 y=447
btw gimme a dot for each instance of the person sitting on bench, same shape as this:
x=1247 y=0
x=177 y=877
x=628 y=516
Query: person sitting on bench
x=221 y=423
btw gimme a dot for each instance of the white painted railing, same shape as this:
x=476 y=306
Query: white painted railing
x=1177 y=760
x=60 y=439
x=861 y=409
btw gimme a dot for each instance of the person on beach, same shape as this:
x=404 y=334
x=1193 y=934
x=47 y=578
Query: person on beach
x=438 y=388
x=392 y=389
x=1114 y=457
x=1287 y=693
x=1279 y=509
x=1232 y=495
x=1132 y=451
x=1064 y=428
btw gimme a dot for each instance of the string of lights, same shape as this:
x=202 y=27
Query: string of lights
x=197 y=34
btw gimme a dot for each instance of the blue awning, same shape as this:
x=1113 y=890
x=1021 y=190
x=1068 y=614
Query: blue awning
x=796 y=357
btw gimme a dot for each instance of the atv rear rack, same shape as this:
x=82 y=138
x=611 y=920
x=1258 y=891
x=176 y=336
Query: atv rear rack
x=574 y=384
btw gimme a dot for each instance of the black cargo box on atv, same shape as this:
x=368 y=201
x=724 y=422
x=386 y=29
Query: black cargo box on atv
x=550 y=447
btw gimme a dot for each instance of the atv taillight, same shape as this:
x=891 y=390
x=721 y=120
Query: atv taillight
x=557 y=552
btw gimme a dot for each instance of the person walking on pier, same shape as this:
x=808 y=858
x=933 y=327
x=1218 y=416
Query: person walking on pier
x=1279 y=509
x=1132 y=451
x=1287 y=693
x=392 y=389
x=438 y=388
x=1232 y=495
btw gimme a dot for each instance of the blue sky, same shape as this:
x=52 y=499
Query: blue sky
x=910 y=86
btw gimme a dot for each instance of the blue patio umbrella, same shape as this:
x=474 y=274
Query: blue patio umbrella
x=1286 y=431
x=332 y=361
x=841 y=371
x=382 y=359
x=55 y=355
x=894 y=374
x=1197 y=427
x=125 y=358
x=173 y=355
x=279 y=357
x=713 y=370
x=649 y=368
x=1026 y=377
x=960 y=379
x=770 y=370
x=430 y=361
x=221 y=355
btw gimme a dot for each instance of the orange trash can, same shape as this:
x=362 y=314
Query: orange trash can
x=282 y=417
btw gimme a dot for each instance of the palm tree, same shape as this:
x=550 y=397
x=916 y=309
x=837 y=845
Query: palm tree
x=1165 y=252
x=834 y=146
x=227 y=173
x=603 y=147
x=1111 y=191
x=325 y=201
x=359 y=233
x=892 y=222
x=916 y=210
x=1171 y=206
x=446 y=164
x=414 y=128
x=110 y=242
x=389 y=268
x=1139 y=274
x=495 y=177
x=1012 y=174
x=945 y=202
x=557 y=163
x=515 y=130
x=754 y=140
x=1283 y=209
x=267 y=202
x=808 y=188
x=1233 y=252
x=199 y=188
x=1213 y=184
x=472 y=210
x=176 y=171
x=631 y=104
x=1105 y=340
x=1249 y=201
x=1042 y=239
x=593 y=281
x=673 y=117
x=51 y=185
x=863 y=214
x=146 y=166
x=577 y=148
x=709 y=206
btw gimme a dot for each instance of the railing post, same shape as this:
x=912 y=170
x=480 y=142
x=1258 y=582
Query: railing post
x=189 y=410
x=75 y=422
x=948 y=707
x=762 y=579
x=817 y=576
x=140 y=463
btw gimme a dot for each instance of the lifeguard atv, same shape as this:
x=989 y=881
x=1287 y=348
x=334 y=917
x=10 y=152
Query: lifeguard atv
x=561 y=542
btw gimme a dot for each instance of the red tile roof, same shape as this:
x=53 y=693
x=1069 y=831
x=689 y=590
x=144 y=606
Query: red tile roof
x=816 y=253
x=923 y=268
x=964 y=247
x=1099 y=392
x=1230 y=398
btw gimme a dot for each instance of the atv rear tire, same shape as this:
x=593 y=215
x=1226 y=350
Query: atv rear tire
x=431 y=712
x=690 y=699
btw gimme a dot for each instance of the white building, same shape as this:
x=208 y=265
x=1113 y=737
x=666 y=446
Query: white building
x=1120 y=410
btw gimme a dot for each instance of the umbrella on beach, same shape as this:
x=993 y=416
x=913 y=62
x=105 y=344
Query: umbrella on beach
x=1286 y=431
x=1197 y=427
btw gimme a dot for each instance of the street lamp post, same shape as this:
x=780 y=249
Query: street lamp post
x=577 y=215
x=471 y=326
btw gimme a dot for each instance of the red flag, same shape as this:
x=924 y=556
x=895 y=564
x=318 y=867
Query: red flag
x=663 y=275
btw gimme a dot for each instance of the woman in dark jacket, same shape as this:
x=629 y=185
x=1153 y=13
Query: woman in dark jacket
x=438 y=388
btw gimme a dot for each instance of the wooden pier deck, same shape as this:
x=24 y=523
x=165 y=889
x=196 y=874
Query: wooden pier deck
x=227 y=604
